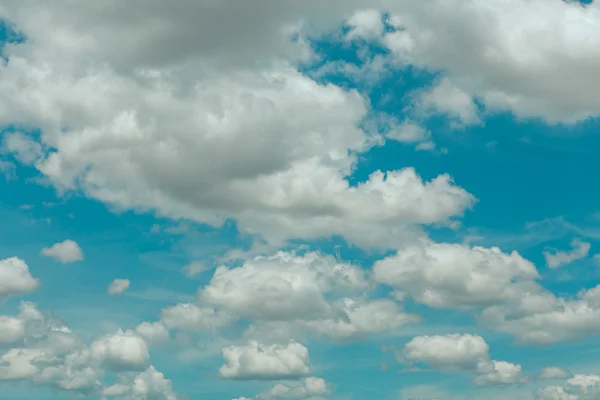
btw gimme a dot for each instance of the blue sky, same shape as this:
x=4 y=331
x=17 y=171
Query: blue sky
x=132 y=148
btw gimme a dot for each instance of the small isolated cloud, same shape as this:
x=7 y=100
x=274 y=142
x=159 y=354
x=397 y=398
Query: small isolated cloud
x=118 y=286
x=580 y=249
x=65 y=252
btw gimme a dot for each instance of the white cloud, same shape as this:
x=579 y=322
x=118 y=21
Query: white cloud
x=17 y=364
x=65 y=252
x=288 y=294
x=46 y=352
x=267 y=145
x=444 y=275
x=554 y=373
x=352 y=320
x=118 y=286
x=190 y=317
x=15 y=278
x=446 y=98
x=363 y=318
x=12 y=329
x=308 y=388
x=500 y=289
x=409 y=132
x=499 y=373
x=284 y=286
x=451 y=352
x=580 y=249
x=122 y=351
x=539 y=316
x=579 y=387
x=195 y=268
x=256 y=361
x=457 y=352
x=147 y=385
x=365 y=24
x=153 y=332
x=504 y=53
x=22 y=146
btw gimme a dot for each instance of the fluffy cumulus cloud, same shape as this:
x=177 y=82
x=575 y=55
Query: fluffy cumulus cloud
x=44 y=351
x=287 y=295
x=451 y=352
x=267 y=146
x=174 y=113
x=444 y=275
x=118 y=286
x=147 y=385
x=579 y=387
x=65 y=252
x=122 y=351
x=354 y=320
x=580 y=249
x=308 y=388
x=539 y=316
x=500 y=289
x=283 y=286
x=15 y=278
x=153 y=332
x=458 y=352
x=39 y=348
x=204 y=114
x=532 y=58
x=256 y=361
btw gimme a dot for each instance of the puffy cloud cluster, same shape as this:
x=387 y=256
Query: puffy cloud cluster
x=203 y=114
x=444 y=275
x=539 y=316
x=257 y=141
x=39 y=348
x=532 y=58
x=283 y=286
x=461 y=353
x=44 y=351
x=500 y=289
x=579 y=387
x=287 y=295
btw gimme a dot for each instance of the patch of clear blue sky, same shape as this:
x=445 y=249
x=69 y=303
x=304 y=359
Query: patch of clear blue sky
x=533 y=172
